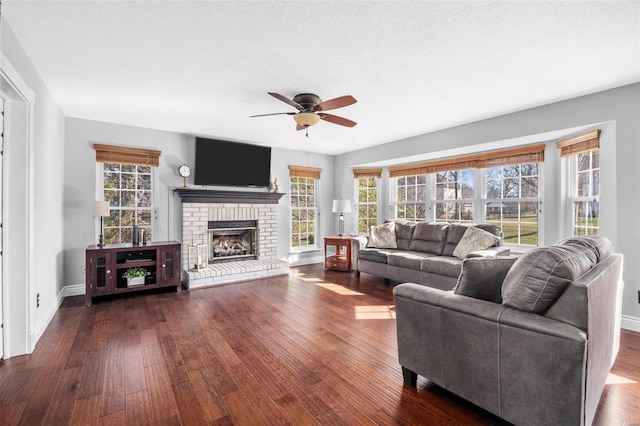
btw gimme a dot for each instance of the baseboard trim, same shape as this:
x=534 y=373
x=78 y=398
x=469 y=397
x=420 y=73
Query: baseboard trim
x=305 y=260
x=74 y=290
x=630 y=323
x=38 y=331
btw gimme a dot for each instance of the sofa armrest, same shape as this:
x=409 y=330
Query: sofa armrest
x=491 y=251
x=357 y=244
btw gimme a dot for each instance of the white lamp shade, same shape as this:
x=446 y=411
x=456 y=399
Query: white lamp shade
x=101 y=208
x=341 y=206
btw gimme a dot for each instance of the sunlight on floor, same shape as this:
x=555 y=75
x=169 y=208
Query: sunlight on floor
x=614 y=379
x=339 y=289
x=375 y=312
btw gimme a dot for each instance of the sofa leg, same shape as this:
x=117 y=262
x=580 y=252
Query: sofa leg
x=410 y=378
x=357 y=273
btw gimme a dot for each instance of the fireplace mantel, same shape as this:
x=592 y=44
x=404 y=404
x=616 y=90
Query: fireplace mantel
x=189 y=195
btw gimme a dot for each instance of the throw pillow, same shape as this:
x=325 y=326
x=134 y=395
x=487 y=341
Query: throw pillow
x=383 y=236
x=540 y=276
x=472 y=240
x=482 y=277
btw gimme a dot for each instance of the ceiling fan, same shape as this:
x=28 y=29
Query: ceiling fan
x=311 y=110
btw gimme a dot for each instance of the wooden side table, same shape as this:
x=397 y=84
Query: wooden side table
x=341 y=259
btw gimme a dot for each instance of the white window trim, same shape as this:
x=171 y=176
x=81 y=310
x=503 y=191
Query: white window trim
x=356 y=204
x=393 y=196
x=154 y=191
x=316 y=246
x=572 y=192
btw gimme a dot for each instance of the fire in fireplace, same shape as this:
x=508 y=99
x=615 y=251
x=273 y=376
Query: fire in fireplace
x=232 y=240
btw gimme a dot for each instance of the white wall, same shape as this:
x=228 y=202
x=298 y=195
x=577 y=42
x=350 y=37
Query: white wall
x=615 y=111
x=36 y=171
x=82 y=229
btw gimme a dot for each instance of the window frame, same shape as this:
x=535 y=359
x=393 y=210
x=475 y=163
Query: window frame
x=475 y=201
x=315 y=209
x=572 y=193
x=357 y=203
x=396 y=203
x=539 y=200
x=153 y=227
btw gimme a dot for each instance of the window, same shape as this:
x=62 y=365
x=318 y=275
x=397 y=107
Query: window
x=366 y=185
x=508 y=189
x=411 y=197
x=303 y=192
x=127 y=184
x=586 y=193
x=454 y=196
x=583 y=155
x=512 y=201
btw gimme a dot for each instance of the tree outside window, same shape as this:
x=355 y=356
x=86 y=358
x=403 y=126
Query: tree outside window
x=367 y=203
x=586 y=199
x=128 y=190
x=512 y=201
x=303 y=212
x=454 y=196
x=411 y=197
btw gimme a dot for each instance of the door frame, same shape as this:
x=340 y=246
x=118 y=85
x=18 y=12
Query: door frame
x=17 y=209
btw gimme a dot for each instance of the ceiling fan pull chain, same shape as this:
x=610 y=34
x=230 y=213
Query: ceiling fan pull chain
x=307 y=131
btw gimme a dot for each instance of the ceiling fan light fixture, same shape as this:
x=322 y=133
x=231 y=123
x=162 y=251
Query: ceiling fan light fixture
x=306 y=118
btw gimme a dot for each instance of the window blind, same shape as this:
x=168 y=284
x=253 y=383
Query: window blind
x=305 y=172
x=126 y=155
x=375 y=172
x=518 y=155
x=579 y=144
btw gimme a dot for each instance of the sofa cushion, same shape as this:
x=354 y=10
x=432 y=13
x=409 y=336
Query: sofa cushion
x=404 y=232
x=442 y=265
x=482 y=277
x=600 y=245
x=383 y=236
x=457 y=230
x=375 y=254
x=540 y=276
x=407 y=259
x=472 y=240
x=429 y=237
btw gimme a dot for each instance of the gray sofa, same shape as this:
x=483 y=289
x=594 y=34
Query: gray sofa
x=539 y=353
x=424 y=253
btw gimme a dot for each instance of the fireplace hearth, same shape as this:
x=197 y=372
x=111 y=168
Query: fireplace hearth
x=232 y=240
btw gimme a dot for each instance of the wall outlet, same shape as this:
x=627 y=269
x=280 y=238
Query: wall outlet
x=83 y=269
x=38 y=300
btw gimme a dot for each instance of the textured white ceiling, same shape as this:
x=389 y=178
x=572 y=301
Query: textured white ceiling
x=203 y=67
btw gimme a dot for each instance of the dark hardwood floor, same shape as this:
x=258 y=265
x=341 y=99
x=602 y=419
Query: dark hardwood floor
x=313 y=348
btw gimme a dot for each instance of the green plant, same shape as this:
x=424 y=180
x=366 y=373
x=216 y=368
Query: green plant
x=134 y=272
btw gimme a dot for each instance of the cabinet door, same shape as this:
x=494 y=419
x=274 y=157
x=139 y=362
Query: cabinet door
x=100 y=273
x=170 y=266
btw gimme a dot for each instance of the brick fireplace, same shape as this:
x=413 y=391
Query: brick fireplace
x=201 y=208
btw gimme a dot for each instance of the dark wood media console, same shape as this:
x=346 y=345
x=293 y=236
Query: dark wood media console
x=106 y=266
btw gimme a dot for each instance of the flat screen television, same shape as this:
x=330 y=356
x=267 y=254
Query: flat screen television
x=228 y=163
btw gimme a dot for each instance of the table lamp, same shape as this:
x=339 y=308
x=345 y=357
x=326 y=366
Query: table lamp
x=101 y=209
x=341 y=206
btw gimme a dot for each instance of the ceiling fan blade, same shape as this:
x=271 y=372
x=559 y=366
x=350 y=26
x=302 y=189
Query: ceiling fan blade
x=337 y=120
x=286 y=100
x=340 y=102
x=273 y=113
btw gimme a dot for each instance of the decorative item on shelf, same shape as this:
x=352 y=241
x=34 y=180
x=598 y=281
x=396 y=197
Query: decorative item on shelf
x=341 y=206
x=184 y=171
x=135 y=235
x=101 y=209
x=135 y=276
x=274 y=184
x=198 y=257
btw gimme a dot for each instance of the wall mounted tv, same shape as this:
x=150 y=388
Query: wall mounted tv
x=231 y=163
